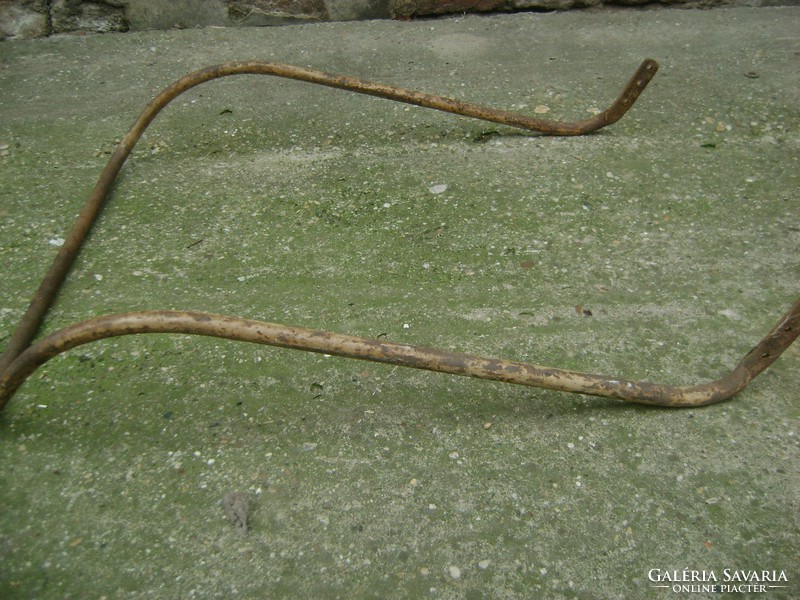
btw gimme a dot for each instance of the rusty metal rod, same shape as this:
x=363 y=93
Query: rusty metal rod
x=21 y=359
x=48 y=288
x=759 y=358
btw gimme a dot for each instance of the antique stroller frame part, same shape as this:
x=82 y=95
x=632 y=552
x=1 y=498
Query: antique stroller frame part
x=22 y=357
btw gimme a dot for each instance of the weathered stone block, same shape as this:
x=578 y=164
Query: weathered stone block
x=554 y=4
x=257 y=12
x=411 y=8
x=74 y=15
x=24 y=19
x=353 y=10
x=161 y=14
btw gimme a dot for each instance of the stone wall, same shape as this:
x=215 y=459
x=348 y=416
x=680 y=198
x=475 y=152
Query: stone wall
x=38 y=18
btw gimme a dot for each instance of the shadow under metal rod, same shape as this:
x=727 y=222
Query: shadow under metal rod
x=21 y=359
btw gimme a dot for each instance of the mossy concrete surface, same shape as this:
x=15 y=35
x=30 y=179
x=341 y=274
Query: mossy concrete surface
x=661 y=248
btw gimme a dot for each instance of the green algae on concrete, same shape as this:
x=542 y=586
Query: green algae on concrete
x=675 y=228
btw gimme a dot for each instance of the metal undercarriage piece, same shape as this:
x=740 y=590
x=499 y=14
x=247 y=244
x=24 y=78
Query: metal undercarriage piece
x=22 y=357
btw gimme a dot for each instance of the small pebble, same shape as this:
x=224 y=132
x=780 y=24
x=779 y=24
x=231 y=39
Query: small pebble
x=731 y=314
x=237 y=508
x=541 y=109
x=454 y=572
x=438 y=188
x=484 y=564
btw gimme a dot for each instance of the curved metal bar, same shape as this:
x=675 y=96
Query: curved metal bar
x=455 y=363
x=21 y=359
x=48 y=288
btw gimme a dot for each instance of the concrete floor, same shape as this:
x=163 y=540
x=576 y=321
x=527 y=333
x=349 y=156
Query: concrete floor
x=677 y=228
